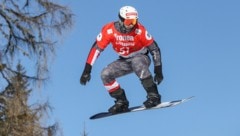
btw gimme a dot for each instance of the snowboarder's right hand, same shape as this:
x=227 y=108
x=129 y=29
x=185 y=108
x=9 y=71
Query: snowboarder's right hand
x=86 y=75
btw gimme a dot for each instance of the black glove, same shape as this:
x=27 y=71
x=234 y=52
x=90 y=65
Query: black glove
x=86 y=75
x=158 y=74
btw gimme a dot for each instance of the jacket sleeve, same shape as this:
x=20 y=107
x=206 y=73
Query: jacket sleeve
x=93 y=53
x=155 y=52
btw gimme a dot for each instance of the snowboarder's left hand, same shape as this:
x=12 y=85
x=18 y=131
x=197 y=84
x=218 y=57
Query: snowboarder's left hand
x=86 y=75
x=158 y=74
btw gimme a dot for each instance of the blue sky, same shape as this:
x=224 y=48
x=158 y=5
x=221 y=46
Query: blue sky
x=200 y=44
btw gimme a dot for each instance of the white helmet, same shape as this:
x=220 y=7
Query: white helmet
x=128 y=12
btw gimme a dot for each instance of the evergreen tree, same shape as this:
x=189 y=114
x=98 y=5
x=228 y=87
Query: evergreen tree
x=16 y=117
x=84 y=131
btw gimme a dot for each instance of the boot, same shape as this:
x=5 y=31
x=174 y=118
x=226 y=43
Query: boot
x=152 y=101
x=153 y=97
x=121 y=103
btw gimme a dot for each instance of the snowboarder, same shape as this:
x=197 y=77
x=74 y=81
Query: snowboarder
x=131 y=41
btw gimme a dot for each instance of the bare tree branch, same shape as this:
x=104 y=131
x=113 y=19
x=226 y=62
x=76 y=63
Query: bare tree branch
x=30 y=29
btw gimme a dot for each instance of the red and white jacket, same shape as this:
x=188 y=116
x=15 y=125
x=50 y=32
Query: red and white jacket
x=125 y=45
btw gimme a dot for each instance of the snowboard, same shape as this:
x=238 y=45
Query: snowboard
x=142 y=108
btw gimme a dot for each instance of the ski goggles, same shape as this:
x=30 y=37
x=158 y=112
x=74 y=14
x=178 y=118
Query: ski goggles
x=129 y=22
